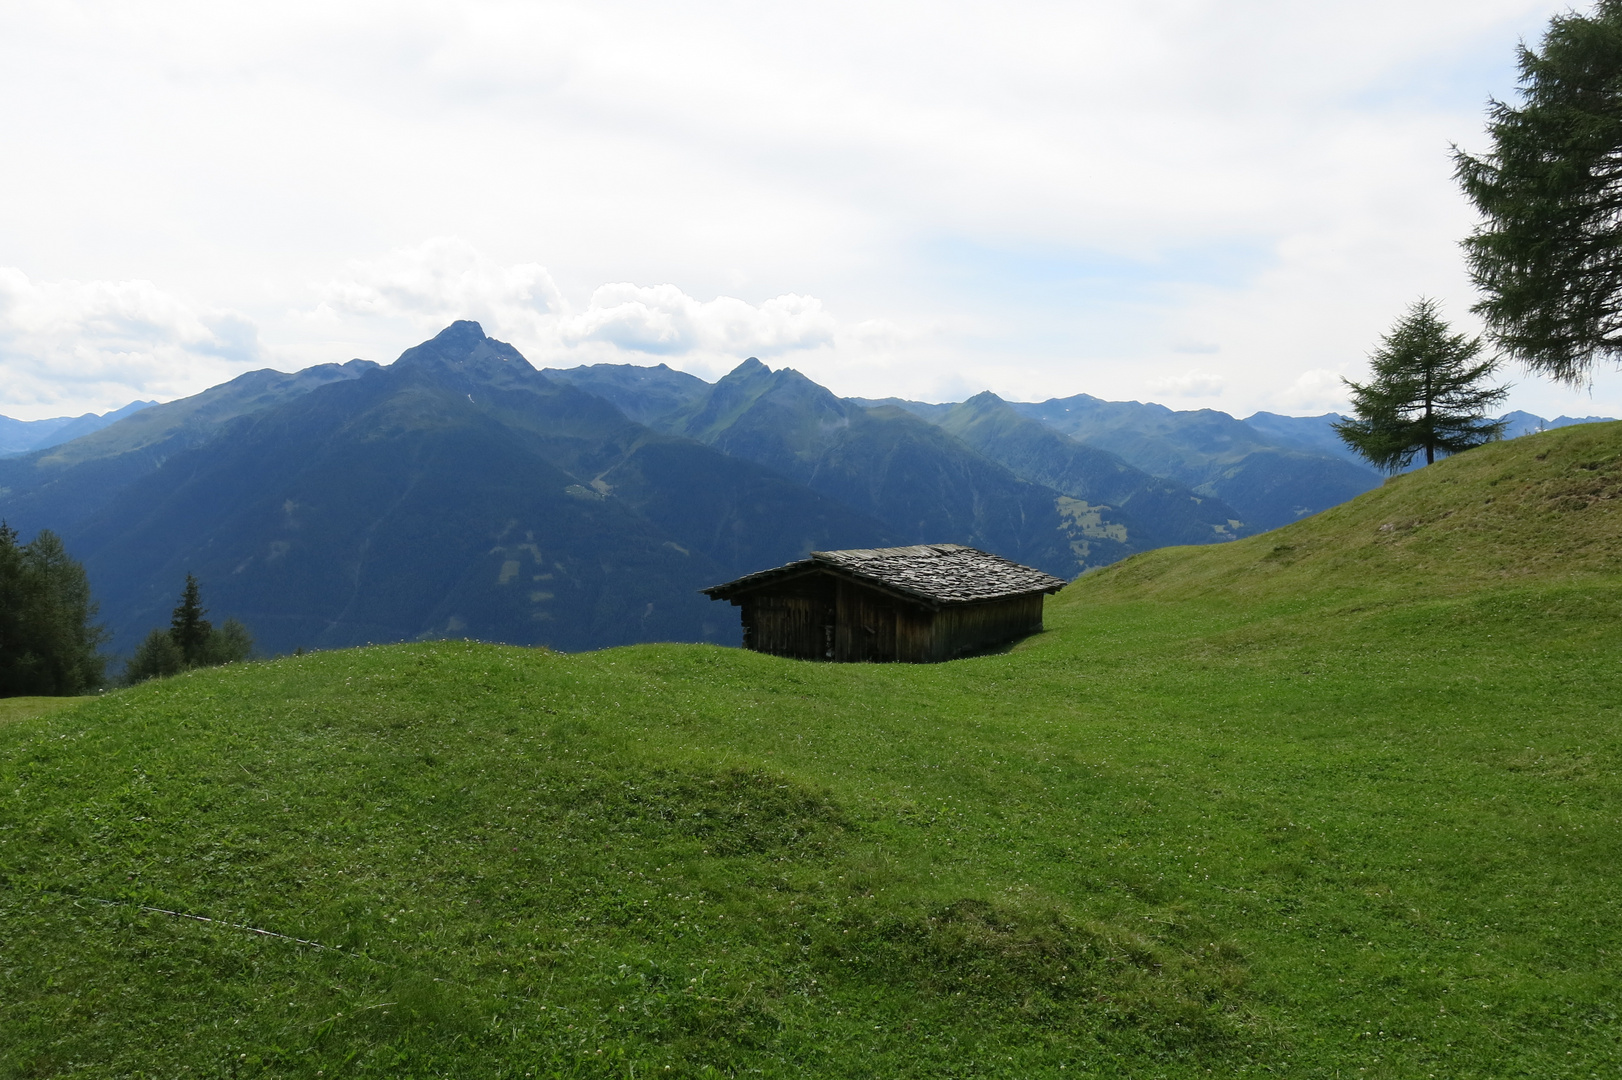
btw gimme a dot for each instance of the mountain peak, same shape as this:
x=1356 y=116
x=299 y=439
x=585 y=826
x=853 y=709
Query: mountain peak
x=985 y=399
x=463 y=349
x=749 y=367
x=463 y=333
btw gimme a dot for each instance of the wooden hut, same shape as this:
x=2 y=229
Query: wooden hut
x=913 y=604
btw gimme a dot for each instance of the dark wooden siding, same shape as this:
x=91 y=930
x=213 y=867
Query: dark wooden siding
x=875 y=627
x=823 y=617
x=793 y=619
x=973 y=627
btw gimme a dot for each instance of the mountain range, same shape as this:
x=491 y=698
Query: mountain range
x=460 y=492
x=21 y=436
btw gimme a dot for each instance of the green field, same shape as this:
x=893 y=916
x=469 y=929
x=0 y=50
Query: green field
x=1341 y=801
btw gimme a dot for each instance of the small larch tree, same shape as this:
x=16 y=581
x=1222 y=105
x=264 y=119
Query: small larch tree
x=1426 y=394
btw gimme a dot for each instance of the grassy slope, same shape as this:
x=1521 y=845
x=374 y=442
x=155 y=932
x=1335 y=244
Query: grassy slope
x=1338 y=800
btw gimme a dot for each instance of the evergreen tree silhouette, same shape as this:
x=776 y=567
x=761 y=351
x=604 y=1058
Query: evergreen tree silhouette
x=188 y=629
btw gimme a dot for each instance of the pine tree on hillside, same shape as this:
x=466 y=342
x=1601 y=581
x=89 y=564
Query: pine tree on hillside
x=48 y=643
x=187 y=628
x=13 y=632
x=190 y=642
x=1425 y=394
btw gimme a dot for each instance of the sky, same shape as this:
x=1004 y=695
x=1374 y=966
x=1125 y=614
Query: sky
x=1200 y=203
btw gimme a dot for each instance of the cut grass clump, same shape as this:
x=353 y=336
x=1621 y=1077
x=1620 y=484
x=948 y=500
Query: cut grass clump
x=1044 y=970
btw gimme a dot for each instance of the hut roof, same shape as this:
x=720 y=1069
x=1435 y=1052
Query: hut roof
x=933 y=573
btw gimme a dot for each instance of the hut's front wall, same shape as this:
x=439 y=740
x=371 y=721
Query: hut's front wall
x=819 y=617
x=793 y=619
x=875 y=627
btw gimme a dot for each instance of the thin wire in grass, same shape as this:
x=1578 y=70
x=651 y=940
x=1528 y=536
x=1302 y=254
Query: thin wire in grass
x=232 y=926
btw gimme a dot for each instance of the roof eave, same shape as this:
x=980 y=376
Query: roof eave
x=790 y=571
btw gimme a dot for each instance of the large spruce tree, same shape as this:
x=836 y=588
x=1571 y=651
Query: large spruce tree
x=187 y=628
x=1426 y=394
x=1548 y=256
x=49 y=642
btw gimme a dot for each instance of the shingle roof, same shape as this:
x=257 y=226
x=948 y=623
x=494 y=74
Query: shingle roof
x=934 y=573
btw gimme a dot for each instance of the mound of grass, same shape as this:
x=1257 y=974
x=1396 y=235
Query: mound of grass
x=1340 y=800
x=1545 y=508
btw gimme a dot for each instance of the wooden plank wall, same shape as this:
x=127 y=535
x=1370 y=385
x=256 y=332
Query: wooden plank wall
x=823 y=618
x=874 y=627
x=791 y=620
x=971 y=628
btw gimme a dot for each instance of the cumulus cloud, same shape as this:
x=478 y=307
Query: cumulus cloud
x=665 y=321
x=71 y=345
x=1190 y=384
x=442 y=280
x=1319 y=390
x=446 y=279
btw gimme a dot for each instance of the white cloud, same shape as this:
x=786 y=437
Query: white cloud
x=444 y=279
x=72 y=346
x=779 y=184
x=1190 y=384
x=1314 y=392
x=664 y=321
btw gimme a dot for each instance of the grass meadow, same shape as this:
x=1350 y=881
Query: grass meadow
x=1337 y=801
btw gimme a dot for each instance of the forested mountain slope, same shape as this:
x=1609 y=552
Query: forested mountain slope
x=457 y=492
x=916 y=478
x=1005 y=483
x=1268 y=484
x=21 y=436
x=59 y=486
x=1158 y=512
x=645 y=394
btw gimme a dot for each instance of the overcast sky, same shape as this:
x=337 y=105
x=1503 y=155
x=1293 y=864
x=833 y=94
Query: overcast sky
x=1194 y=202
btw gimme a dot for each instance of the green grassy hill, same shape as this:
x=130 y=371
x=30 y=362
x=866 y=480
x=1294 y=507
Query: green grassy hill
x=1340 y=800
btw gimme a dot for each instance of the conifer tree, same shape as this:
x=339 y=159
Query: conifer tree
x=1548 y=255
x=1425 y=394
x=49 y=644
x=190 y=642
x=188 y=629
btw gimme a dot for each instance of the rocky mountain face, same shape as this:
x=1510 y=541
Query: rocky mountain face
x=456 y=492
x=978 y=473
x=1155 y=512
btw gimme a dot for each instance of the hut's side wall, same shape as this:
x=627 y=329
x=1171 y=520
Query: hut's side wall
x=793 y=619
x=972 y=627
